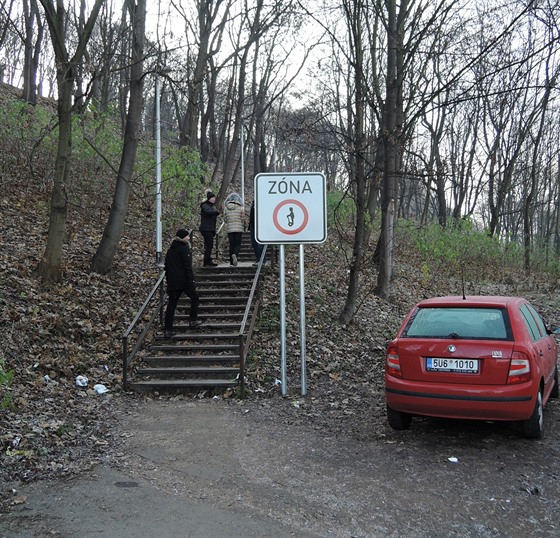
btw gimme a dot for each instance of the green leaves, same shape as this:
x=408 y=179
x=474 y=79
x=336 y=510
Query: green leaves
x=459 y=244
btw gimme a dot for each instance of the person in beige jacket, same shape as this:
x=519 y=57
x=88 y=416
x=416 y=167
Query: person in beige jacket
x=234 y=214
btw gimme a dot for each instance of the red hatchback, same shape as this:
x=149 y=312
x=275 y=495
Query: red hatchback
x=485 y=358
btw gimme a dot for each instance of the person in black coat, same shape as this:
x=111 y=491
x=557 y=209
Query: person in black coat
x=208 y=216
x=257 y=247
x=180 y=278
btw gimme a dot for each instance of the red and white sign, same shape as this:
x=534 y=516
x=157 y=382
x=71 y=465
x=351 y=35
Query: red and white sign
x=290 y=208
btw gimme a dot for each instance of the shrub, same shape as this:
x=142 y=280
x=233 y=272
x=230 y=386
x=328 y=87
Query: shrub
x=458 y=245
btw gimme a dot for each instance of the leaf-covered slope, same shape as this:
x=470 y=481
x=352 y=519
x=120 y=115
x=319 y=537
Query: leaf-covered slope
x=51 y=334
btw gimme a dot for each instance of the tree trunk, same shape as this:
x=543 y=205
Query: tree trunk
x=237 y=118
x=358 y=166
x=528 y=205
x=32 y=50
x=49 y=268
x=390 y=152
x=209 y=29
x=103 y=258
x=556 y=224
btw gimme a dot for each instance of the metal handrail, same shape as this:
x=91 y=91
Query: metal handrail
x=126 y=357
x=244 y=345
x=218 y=233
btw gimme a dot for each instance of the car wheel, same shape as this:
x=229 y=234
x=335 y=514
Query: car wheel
x=533 y=428
x=555 y=390
x=398 y=420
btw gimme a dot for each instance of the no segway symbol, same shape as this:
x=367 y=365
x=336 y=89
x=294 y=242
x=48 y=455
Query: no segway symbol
x=290 y=217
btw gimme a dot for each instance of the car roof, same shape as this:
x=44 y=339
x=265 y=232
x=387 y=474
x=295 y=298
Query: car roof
x=497 y=301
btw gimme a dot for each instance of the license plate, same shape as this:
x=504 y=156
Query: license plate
x=460 y=366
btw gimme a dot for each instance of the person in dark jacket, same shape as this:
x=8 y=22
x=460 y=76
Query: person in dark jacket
x=208 y=216
x=180 y=278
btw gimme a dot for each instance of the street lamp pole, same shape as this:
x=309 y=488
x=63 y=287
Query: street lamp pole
x=158 y=175
x=242 y=169
x=161 y=71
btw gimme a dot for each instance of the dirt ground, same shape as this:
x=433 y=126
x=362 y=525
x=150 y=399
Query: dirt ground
x=201 y=468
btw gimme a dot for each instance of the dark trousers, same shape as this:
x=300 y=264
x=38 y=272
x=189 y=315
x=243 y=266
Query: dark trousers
x=208 y=236
x=257 y=247
x=234 y=244
x=174 y=296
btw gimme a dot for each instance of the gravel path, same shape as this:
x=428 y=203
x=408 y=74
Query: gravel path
x=222 y=468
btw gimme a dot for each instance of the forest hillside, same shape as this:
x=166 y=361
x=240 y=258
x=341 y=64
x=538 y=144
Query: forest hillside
x=53 y=333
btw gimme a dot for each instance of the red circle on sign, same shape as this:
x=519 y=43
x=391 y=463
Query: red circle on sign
x=281 y=228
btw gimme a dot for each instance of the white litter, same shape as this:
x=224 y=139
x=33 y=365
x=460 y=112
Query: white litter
x=100 y=389
x=453 y=459
x=81 y=381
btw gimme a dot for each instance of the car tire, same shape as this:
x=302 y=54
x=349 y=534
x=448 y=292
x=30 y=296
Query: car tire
x=398 y=420
x=533 y=428
x=555 y=392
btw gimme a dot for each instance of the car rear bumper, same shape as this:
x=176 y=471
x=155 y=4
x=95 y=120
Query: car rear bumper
x=508 y=402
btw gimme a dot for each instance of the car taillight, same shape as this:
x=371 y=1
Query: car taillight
x=519 y=369
x=392 y=363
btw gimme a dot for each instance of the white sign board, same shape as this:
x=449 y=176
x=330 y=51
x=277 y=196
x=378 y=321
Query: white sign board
x=290 y=208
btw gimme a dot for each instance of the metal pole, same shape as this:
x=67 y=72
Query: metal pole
x=125 y=362
x=158 y=176
x=302 y=320
x=283 y=321
x=242 y=170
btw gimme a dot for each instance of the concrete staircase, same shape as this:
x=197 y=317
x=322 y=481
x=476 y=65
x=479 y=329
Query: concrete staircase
x=210 y=356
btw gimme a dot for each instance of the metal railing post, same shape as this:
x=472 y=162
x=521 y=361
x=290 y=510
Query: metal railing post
x=161 y=300
x=137 y=317
x=242 y=365
x=125 y=360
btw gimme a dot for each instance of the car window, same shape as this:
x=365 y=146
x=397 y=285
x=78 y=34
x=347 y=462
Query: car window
x=530 y=322
x=459 y=322
x=540 y=322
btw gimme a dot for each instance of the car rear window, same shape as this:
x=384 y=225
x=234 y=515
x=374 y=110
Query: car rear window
x=454 y=322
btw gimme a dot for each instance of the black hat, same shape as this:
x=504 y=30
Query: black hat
x=209 y=195
x=182 y=233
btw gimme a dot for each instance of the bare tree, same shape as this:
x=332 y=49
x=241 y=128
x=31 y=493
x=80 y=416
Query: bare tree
x=541 y=108
x=103 y=258
x=6 y=10
x=211 y=17
x=462 y=144
x=356 y=109
x=107 y=61
x=49 y=268
x=257 y=20
x=391 y=134
x=33 y=40
x=270 y=84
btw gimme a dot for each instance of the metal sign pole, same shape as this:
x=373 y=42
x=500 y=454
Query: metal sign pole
x=283 y=321
x=302 y=320
x=288 y=212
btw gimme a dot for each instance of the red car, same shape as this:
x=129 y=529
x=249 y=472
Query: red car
x=484 y=358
